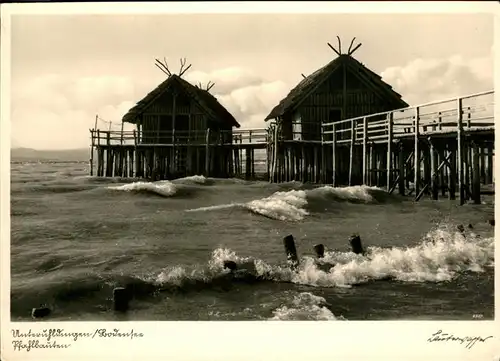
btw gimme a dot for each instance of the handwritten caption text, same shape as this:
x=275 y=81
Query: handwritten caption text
x=58 y=338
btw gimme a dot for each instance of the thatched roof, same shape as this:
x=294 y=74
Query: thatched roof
x=309 y=84
x=205 y=100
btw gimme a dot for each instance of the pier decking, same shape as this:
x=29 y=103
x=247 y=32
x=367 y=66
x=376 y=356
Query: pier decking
x=444 y=147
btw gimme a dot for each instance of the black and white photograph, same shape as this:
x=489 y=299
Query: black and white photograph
x=251 y=167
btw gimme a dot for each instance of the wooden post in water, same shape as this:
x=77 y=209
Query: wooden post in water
x=434 y=170
x=351 y=152
x=389 y=150
x=402 y=166
x=137 y=172
x=323 y=167
x=121 y=299
x=460 y=152
x=236 y=155
x=467 y=170
x=275 y=153
x=489 y=168
x=91 y=161
x=101 y=162
x=426 y=154
x=116 y=158
x=252 y=158
x=416 y=155
x=248 y=163
x=442 y=173
x=131 y=163
x=319 y=249
x=315 y=164
x=268 y=154
x=482 y=173
x=476 y=177
x=290 y=250
x=99 y=150
x=154 y=164
x=207 y=153
x=373 y=165
x=383 y=165
x=452 y=172
x=92 y=148
x=334 y=156
x=109 y=156
x=365 y=150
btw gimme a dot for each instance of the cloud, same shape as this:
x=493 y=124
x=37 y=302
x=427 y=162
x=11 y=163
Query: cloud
x=248 y=102
x=246 y=95
x=426 y=80
x=55 y=112
x=226 y=80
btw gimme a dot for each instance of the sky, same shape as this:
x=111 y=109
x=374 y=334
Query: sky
x=65 y=69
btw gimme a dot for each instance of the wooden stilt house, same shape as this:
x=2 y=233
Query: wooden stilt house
x=342 y=89
x=186 y=125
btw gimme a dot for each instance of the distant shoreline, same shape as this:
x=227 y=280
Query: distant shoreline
x=33 y=155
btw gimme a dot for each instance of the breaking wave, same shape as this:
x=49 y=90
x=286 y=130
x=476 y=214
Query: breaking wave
x=441 y=256
x=305 y=306
x=291 y=205
x=164 y=188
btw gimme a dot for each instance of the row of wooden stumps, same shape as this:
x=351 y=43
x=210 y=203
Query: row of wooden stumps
x=158 y=163
x=122 y=296
x=319 y=249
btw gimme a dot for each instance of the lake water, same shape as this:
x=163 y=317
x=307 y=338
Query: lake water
x=75 y=238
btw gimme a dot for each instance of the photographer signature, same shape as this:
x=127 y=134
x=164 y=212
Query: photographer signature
x=468 y=341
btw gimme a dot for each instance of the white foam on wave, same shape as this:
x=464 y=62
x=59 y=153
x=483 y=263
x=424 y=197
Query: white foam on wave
x=305 y=306
x=196 y=179
x=214 y=208
x=178 y=275
x=352 y=193
x=290 y=205
x=164 y=188
x=439 y=257
x=283 y=206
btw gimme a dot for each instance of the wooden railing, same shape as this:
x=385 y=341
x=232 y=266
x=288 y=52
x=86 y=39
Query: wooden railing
x=471 y=112
x=178 y=137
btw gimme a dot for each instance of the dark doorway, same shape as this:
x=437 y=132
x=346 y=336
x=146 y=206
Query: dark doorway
x=165 y=129
x=334 y=115
x=182 y=128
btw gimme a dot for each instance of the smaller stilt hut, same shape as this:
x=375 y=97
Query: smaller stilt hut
x=182 y=129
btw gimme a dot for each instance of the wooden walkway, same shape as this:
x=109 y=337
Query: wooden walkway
x=425 y=149
x=166 y=154
x=444 y=147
